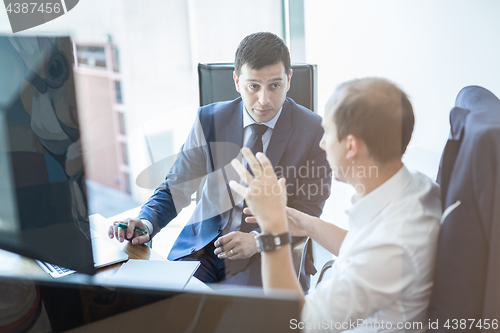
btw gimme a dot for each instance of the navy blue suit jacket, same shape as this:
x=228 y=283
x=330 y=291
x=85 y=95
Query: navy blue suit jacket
x=216 y=138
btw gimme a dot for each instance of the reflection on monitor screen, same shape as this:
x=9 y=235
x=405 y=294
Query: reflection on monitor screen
x=9 y=229
x=42 y=141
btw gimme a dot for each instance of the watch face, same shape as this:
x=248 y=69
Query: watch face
x=272 y=242
x=259 y=248
x=267 y=242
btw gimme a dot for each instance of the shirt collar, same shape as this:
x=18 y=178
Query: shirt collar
x=366 y=208
x=247 y=120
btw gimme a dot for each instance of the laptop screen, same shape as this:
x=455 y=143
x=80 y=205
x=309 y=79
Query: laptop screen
x=41 y=155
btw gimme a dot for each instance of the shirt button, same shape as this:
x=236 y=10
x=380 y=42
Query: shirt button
x=193 y=249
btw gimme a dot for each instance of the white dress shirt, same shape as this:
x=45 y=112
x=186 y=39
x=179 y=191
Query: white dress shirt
x=235 y=222
x=384 y=270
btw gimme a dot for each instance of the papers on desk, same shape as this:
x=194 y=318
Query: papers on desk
x=152 y=274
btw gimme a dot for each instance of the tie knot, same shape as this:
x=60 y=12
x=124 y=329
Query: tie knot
x=258 y=129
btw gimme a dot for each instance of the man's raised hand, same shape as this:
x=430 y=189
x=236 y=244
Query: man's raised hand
x=264 y=195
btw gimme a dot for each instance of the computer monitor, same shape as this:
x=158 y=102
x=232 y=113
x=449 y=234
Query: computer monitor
x=44 y=211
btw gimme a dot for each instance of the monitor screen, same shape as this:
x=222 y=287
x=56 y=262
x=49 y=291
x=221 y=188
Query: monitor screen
x=41 y=165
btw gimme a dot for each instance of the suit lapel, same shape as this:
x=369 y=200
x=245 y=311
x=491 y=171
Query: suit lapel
x=232 y=143
x=281 y=135
x=234 y=131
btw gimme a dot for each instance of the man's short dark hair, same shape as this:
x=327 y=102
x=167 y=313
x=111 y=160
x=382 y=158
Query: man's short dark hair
x=260 y=50
x=378 y=112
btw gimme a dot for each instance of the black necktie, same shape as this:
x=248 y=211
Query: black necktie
x=255 y=141
x=255 y=145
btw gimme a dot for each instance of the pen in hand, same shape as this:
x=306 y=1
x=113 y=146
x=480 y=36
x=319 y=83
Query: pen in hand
x=125 y=226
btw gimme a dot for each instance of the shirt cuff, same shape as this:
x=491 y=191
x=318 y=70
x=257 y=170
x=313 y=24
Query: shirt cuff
x=148 y=225
x=255 y=232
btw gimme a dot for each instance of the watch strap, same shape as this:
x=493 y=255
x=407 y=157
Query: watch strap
x=271 y=242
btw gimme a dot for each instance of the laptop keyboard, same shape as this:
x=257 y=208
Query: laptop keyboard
x=60 y=270
x=54 y=270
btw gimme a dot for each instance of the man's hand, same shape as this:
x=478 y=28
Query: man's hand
x=265 y=195
x=129 y=234
x=299 y=223
x=236 y=245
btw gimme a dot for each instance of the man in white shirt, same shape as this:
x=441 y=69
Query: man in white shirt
x=382 y=278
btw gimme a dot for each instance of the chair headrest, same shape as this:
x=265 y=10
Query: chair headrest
x=477 y=99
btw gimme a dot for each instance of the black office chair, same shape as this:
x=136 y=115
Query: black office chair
x=467 y=276
x=216 y=84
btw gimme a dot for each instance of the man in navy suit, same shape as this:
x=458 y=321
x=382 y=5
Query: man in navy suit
x=264 y=119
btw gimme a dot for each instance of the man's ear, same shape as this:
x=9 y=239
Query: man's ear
x=236 y=81
x=289 y=79
x=352 y=146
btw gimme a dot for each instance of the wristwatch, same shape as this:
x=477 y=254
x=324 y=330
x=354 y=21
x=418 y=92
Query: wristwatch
x=271 y=241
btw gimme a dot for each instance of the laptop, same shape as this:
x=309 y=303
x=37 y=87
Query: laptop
x=103 y=252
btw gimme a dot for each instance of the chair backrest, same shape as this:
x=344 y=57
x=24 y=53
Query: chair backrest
x=216 y=84
x=467 y=277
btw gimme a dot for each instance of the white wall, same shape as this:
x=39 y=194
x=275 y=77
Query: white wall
x=431 y=48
